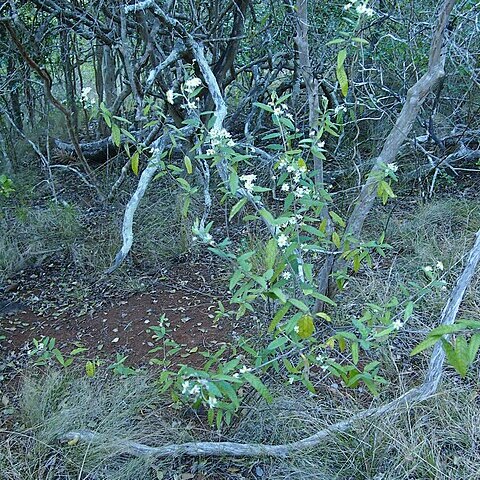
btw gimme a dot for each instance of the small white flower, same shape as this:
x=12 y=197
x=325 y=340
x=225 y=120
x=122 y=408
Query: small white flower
x=297 y=176
x=285 y=187
x=169 y=96
x=210 y=151
x=296 y=328
x=320 y=144
x=348 y=6
x=340 y=108
x=290 y=168
x=185 y=387
x=361 y=8
x=286 y=275
x=245 y=369
x=397 y=324
x=236 y=375
x=393 y=167
x=195 y=391
x=428 y=268
x=369 y=12
x=282 y=240
x=291 y=380
x=191 y=105
x=439 y=266
x=212 y=402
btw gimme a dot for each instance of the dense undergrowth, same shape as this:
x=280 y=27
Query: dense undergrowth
x=437 y=439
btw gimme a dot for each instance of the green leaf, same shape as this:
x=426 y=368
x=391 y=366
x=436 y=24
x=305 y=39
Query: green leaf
x=335 y=41
x=234 y=279
x=116 y=135
x=474 y=346
x=267 y=108
x=278 y=316
x=362 y=41
x=337 y=219
x=258 y=385
x=135 y=161
x=279 y=294
x=458 y=357
x=277 y=343
x=305 y=326
x=237 y=207
x=408 y=311
x=188 y=164
x=267 y=216
x=183 y=183
x=299 y=304
x=341 y=73
x=336 y=239
x=271 y=252
x=427 y=343
x=355 y=352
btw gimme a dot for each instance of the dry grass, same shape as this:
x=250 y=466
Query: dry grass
x=436 y=440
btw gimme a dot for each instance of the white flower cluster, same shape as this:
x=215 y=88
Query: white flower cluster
x=84 y=96
x=280 y=110
x=391 y=167
x=248 y=182
x=361 y=7
x=191 y=84
x=219 y=136
x=301 y=191
x=169 y=95
x=295 y=170
x=202 y=235
x=438 y=266
x=193 y=388
x=191 y=104
x=243 y=370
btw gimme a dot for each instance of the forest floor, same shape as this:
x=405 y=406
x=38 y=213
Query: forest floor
x=50 y=302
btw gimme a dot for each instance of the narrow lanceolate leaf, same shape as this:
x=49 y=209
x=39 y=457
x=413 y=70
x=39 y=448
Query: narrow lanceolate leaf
x=474 y=346
x=134 y=162
x=237 y=207
x=278 y=316
x=341 y=73
x=408 y=311
x=259 y=386
x=428 y=342
x=116 y=135
x=188 y=164
x=271 y=252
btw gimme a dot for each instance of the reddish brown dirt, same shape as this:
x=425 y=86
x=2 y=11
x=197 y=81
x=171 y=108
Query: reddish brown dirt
x=122 y=325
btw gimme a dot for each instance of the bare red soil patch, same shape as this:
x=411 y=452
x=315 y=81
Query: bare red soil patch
x=186 y=297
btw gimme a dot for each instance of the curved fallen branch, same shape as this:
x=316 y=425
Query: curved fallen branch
x=415 y=395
